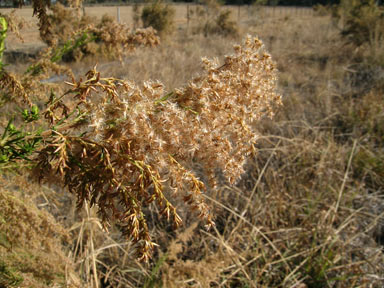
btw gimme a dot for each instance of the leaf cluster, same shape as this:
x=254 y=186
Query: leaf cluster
x=16 y=143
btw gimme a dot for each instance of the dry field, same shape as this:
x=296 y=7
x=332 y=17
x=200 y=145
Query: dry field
x=307 y=213
x=241 y=14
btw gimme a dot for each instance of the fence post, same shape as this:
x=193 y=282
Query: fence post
x=118 y=14
x=188 y=17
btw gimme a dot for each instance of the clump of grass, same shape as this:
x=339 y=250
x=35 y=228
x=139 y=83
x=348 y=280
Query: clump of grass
x=31 y=241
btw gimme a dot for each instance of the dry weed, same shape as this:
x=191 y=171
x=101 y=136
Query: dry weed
x=132 y=152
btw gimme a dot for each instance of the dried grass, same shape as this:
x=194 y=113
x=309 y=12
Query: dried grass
x=31 y=240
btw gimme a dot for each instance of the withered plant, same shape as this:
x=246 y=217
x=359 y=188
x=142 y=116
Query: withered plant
x=121 y=147
x=84 y=36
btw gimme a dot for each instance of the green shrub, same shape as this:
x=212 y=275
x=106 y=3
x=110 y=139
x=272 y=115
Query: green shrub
x=159 y=16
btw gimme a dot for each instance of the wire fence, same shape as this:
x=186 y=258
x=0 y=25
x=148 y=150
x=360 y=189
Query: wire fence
x=241 y=13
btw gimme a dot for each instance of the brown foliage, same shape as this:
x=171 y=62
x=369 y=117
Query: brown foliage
x=130 y=150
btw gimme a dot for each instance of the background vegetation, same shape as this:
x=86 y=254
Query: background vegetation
x=16 y=3
x=307 y=212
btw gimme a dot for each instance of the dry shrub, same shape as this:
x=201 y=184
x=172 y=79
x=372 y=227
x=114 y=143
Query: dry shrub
x=84 y=37
x=65 y=21
x=130 y=152
x=208 y=10
x=212 y=20
x=160 y=17
x=12 y=89
x=115 y=39
x=15 y=24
